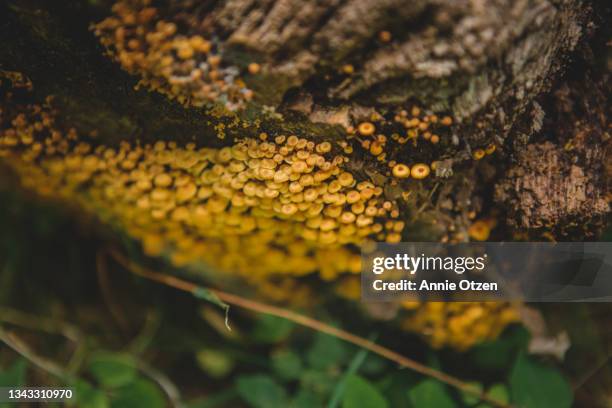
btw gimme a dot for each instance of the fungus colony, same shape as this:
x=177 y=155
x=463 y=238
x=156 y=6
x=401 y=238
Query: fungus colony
x=286 y=205
x=268 y=209
x=459 y=324
x=416 y=124
x=188 y=68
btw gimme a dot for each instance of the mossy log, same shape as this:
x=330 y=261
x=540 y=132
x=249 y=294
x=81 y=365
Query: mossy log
x=490 y=65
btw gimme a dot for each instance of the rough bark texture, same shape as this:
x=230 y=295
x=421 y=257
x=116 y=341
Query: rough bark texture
x=485 y=62
x=561 y=183
x=52 y=45
x=545 y=190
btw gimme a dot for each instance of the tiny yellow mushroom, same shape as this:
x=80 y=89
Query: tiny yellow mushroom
x=447 y=121
x=254 y=68
x=478 y=154
x=401 y=171
x=384 y=36
x=479 y=230
x=366 y=128
x=420 y=171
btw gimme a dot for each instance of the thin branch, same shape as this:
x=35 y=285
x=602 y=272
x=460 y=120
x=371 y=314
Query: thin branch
x=49 y=366
x=163 y=382
x=306 y=321
x=20 y=347
x=28 y=321
x=32 y=322
x=107 y=294
x=429 y=197
x=142 y=340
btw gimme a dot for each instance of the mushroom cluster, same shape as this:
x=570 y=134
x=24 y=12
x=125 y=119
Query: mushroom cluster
x=258 y=208
x=460 y=325
x=381 y=138
x=420 y=124
x=267 y=210
x=188 y=68
x=480 y=153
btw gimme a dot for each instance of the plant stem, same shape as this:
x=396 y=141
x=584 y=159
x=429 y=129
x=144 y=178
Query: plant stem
x=306 y=321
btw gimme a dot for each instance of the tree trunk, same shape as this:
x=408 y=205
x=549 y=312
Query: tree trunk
x=329 y=65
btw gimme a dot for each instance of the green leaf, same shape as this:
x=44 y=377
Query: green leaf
x=112 y=369
x=209 y=296
x=431 y=393
x=469 y=398
x=271 y=329
x=360 y=393
x=320 y=382
x=500 y=392
x=326 y=351
x=215 y=363
x=394 y=387
x=533 y=384
x=141 y=393
x=261 y=391
x=225 y=398
x=306 y=399
x=353 y=367
x=287 y=365
x=87 y=396
x=499 y=354
x=374 y=365
x=15 y=375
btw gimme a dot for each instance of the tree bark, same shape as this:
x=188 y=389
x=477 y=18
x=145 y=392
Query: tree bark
x=489 y=64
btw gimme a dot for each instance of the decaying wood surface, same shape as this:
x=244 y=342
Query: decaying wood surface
x=489 y=63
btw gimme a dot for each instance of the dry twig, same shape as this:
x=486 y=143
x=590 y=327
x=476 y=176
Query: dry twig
x=306 y=321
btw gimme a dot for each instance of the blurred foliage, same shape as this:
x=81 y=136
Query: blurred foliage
x=174 y=349
x=536 y=385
